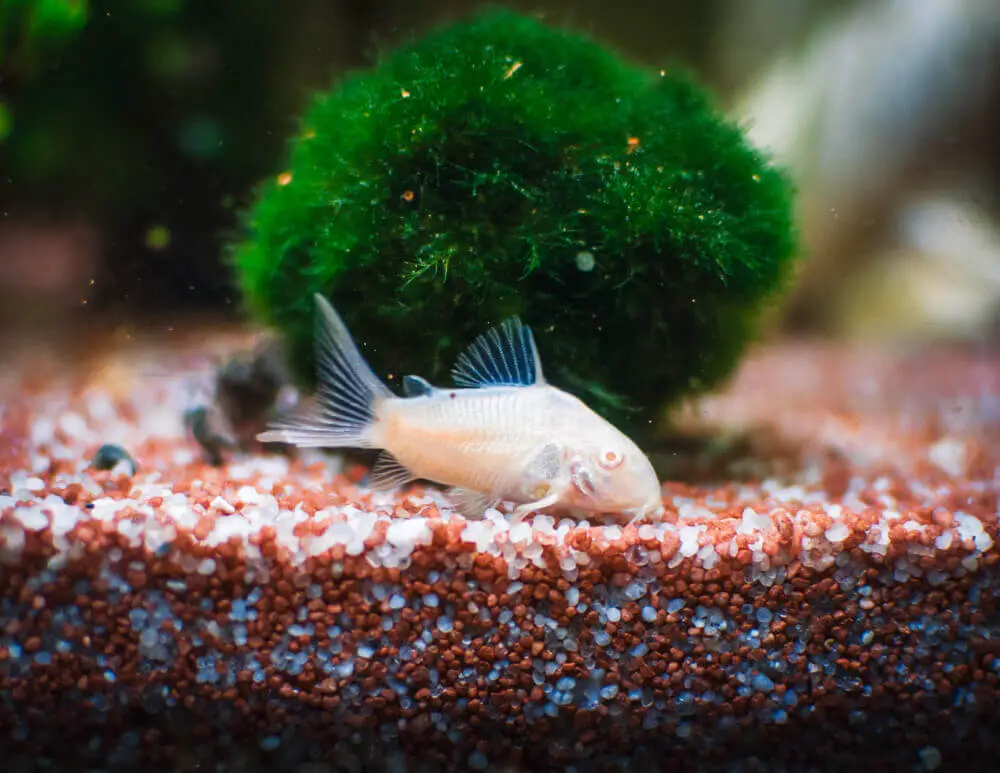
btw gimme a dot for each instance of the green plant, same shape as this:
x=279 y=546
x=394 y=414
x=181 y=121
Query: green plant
x=500 y=166
x=29 y=27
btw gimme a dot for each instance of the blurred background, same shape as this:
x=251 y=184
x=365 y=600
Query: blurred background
x=133 y=131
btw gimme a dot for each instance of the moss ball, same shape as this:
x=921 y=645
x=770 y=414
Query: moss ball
x=500 y=166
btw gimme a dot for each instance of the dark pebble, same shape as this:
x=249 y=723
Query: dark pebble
x=207 y=426
x=109 y=455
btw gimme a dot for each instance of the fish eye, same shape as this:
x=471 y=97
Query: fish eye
x=610 y=458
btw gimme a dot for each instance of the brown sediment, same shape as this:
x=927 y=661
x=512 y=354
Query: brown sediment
x=832 y=597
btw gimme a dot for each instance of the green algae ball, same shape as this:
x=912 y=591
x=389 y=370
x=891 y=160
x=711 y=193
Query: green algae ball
x=500 y=166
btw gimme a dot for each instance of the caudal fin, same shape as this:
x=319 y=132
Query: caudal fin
x=347 y=392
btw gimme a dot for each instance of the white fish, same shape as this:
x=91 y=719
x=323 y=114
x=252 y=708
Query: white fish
x=502 y=434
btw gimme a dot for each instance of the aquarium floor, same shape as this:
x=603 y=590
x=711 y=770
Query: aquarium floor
x=822 y=591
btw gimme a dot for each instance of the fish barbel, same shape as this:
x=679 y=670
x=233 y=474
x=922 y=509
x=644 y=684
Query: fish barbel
x=502 y=433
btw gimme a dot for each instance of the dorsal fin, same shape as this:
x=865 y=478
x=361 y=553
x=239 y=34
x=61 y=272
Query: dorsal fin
x=415 y=386
x=503 y=356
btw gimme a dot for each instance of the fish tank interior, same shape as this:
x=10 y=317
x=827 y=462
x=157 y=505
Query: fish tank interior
x=528 y=386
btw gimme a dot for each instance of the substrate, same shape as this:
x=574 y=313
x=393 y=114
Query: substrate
x=821 y=593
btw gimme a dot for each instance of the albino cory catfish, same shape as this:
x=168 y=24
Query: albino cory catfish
x=507 y=435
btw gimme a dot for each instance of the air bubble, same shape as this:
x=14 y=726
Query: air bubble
x=585 y=261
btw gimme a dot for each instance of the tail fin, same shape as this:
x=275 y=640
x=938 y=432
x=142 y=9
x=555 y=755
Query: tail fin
x=347 y=392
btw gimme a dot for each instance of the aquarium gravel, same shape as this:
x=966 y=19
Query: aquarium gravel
x=822 y=592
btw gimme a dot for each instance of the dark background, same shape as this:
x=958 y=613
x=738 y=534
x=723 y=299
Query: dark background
x=153 y=122
x=132 y=132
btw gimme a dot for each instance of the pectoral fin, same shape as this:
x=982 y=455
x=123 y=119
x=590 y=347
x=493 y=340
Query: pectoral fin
x=471 y=504
x=545 y=480
x=388 y=473
x=548 y=500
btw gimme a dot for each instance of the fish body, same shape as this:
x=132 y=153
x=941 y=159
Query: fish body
x=503 y=433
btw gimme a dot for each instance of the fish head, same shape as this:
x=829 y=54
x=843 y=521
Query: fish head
x=613 y=475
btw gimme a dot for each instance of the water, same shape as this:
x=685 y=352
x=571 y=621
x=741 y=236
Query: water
x=178 y=184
